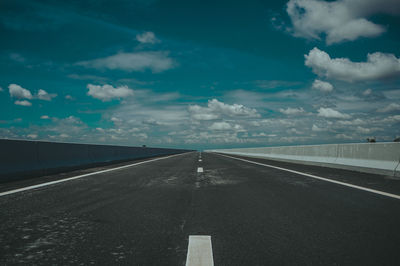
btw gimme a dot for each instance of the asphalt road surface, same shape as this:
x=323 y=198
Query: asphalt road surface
x=255 y=215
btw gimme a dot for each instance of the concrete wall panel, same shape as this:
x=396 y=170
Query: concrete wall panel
x=22 y=159
x=379 y=158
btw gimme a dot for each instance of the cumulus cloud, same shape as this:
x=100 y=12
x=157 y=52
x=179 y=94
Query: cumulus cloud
x=44 y=117
x=224 y=126
x=292 y=111
x=216 y=109
x=315 y=128
x=108 y=92
x=139 y=61
x=200 y=116
x=32 y=136
x=331 y=113
x=147 y=37
x=16 y=91
x=322 y=86
x=378 y=66
x=23 y=103
x=393 y=107
x=43 y=95
x=342 y=20
x=220 y=126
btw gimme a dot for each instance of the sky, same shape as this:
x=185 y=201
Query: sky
x=200 y=74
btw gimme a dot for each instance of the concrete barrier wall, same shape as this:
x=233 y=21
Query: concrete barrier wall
x=21 y=159
x=378 y=158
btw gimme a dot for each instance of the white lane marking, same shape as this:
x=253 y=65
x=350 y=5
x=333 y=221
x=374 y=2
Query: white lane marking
x=80 y=176
x=199 y=169
x=394 y=196
x=199 y=160
x=199 y=251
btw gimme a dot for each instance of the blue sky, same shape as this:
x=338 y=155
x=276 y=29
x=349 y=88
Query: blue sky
x=200 y=74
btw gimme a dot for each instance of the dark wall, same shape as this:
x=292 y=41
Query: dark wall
x=23 y=159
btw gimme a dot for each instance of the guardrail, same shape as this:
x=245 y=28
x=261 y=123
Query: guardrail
x=21 y=159
x=378 y=158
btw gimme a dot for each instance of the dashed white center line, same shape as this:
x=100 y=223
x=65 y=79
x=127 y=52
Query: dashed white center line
x=199 y=169
x=199 y=160
x=199 y=251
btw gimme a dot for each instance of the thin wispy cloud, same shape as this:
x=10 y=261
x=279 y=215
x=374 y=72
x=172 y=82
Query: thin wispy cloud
x=130 y=62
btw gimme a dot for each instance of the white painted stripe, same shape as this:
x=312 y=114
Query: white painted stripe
x=199 y=169
x=390 y=195
x=80 y=176
x=199 y=160
x=199 y=251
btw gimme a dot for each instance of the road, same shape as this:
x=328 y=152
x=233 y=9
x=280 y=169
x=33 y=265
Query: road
x=255 y=215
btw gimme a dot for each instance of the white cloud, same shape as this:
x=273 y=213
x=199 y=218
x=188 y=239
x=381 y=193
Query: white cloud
x=367 y=92
x=220 y=126
x=216 y=109
x=147 y=37
x=343 y=136
x=108 y=92
x=16 y=91
x=322 y=86
x=139 y=61
x=392 y=119
x=44 y=117
x=23 y=103
x=315 y=128
x=43 y=95
x=292 y=111
x=364 y=130
x=352 y=123
x=390 y=108
x=330 y=113
x=1 y=89
x=342 y=20
x=69 y=97
x=262 y=134
x=32 y=136
x=378 y=66
x=115 y=120
x=292 y=131
x=199 y=116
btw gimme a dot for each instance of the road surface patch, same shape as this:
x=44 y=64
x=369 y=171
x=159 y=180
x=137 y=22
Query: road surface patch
x=80 y=176
x=382 y=193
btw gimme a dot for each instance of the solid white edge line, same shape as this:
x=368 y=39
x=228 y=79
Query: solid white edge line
x=199 y=251
x=80 y=176
x=394 y=196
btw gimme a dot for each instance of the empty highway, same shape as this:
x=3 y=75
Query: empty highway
x=143 y=214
